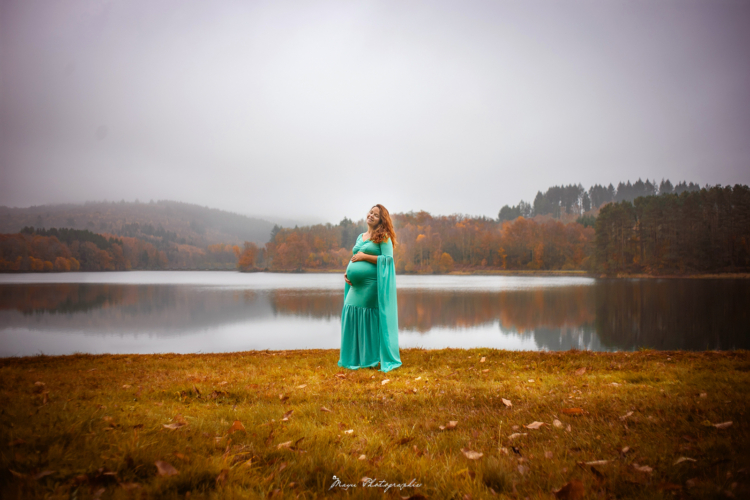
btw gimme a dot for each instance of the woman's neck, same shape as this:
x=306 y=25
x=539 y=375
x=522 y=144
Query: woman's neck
x=370 y=231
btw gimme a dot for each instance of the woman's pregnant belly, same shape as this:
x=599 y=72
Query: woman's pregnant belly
x=364 y=289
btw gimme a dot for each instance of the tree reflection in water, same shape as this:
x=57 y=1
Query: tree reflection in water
x=606 y=315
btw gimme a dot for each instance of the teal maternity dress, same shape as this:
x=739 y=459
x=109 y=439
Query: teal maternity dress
x=369 y=319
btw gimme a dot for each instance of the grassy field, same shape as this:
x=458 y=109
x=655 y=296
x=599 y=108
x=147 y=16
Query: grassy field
x=448 y=424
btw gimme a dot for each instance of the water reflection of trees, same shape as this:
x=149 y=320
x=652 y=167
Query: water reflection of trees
x=67 y=297
x=673 y=314
x=423 y=310
x=116 y=308
x=611 y=314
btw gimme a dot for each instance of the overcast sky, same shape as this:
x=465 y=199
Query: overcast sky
x=316 y=110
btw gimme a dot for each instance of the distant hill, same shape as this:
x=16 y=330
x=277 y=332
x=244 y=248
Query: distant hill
x=167 y=221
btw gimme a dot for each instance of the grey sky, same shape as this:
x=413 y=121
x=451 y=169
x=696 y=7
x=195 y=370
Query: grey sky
x=317 y=109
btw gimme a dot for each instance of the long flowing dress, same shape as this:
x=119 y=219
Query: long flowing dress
x=369 y=319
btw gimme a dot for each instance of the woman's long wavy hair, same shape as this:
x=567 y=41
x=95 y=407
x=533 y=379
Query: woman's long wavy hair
x=385 y=228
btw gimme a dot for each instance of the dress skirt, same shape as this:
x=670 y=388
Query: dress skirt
x=360 y=346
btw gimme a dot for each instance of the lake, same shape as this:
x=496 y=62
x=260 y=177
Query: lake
x=188 y=312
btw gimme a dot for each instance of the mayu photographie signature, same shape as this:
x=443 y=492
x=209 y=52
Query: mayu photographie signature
x=368 y=482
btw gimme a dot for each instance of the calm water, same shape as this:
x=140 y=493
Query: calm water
x=147 y=312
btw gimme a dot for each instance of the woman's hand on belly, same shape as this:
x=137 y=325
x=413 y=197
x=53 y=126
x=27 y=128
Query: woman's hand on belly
x=347 y=280
x=372 y=259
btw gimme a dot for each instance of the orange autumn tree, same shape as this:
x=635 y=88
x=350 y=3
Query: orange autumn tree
x=248 y=257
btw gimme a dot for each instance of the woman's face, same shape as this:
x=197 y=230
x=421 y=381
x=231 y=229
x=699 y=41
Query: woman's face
x=373 y=217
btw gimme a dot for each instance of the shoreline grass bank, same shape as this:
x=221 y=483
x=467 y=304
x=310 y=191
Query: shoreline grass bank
x=461 y=423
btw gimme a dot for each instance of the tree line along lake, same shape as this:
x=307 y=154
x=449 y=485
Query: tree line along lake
x=187 y=312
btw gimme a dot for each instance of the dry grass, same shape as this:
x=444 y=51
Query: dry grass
x=81 y=426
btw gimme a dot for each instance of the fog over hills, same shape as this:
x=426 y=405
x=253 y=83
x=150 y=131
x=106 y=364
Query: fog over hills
x=180 y=222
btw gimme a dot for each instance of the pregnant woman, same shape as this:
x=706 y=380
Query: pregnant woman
x=369 y=320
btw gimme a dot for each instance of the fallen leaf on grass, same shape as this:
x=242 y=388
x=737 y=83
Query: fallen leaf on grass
x=625 y=450
x=557 y=423
x=323 y=408
x=175 y=425
x=342 y=375
x=507 y=402
x=165 y=468
x=450 y=426
x=703 y=395
x=548 y=454
x=485 y=370
x=301 y=386
x=236 y=426
x=181 y=456
x=17 y=474
x=385 y=381
x=534 y=425
x=684 y=459
x=482 y=360
x=285 y=444
x=283 y=397
x=643 y=468
x=626 y=415
x=40 y=475
x=418 y=378
x=127 y=386
x=723 y=425
x=221 y=479
x=597 y=462
x=574 y=490
x=522 y=469
x=362 y=457
x=581 y=371
x=39 y=383
x=573 y=411
x=285 y=416
x=349 y=431
x=516 y=435
x=472 y=455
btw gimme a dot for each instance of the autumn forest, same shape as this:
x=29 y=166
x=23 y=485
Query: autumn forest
x=634 y=228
